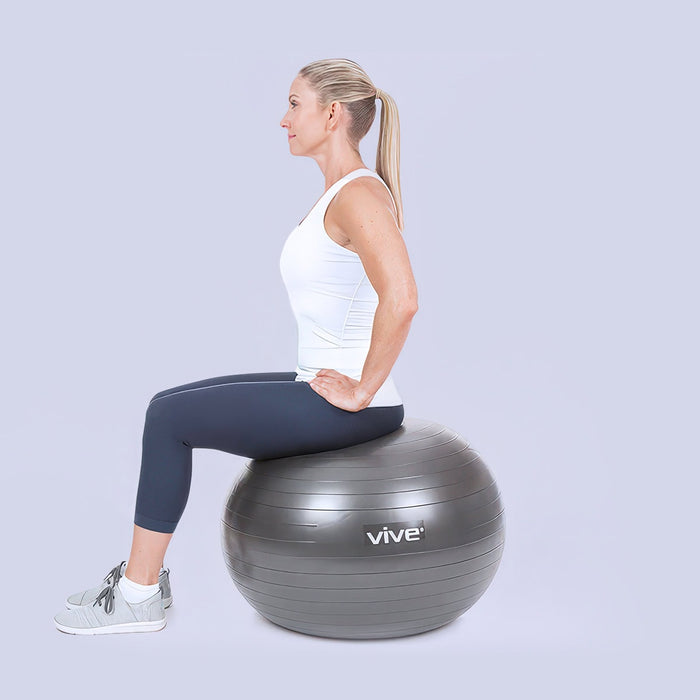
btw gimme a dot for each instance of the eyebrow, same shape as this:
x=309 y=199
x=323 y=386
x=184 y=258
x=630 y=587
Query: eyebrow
x=293 y=95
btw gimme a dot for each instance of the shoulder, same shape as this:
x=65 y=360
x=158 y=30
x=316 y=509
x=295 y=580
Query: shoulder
x=363 y=197
x=362 y=216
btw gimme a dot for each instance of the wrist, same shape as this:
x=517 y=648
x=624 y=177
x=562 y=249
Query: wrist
x=365 y=395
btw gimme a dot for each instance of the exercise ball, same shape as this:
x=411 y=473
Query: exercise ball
x=388 y=538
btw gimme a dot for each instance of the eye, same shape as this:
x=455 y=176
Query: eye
x=294 y=104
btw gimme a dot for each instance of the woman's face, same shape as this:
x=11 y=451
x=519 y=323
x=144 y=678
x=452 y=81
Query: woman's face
x=305 y=121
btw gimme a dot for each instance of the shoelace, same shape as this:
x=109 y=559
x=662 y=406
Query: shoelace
x=107 y=593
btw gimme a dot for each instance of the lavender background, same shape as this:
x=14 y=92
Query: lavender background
x=547 y=167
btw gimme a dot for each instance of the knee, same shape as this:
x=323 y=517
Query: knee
x=164 y=421
x=158 y=410
x=158 y=396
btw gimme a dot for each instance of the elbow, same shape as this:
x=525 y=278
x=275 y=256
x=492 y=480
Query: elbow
x=406 y=308
x=401 y=305
x=411 y=303
x=411 y=309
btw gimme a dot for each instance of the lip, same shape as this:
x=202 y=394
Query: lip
x=291 y=136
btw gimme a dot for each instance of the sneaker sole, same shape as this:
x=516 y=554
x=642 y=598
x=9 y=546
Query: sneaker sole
x=154 y=626
x=167 y=602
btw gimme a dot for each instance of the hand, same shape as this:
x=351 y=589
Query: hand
x=340 y=390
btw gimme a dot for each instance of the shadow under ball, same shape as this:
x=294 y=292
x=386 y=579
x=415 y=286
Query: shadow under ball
x=389 y=538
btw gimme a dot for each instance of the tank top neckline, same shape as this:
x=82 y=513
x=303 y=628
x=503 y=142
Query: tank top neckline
x=330 y=188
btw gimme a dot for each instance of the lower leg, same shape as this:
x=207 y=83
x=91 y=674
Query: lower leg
x=147 y=553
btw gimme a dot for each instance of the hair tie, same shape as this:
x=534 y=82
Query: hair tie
x=378 y=95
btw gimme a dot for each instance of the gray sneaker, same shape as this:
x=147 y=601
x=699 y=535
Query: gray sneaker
x=110 y=613
x=88 y=597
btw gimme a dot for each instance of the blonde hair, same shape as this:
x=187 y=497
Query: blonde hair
x=342 y=80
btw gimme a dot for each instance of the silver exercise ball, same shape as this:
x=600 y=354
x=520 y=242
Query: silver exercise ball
x=388 y=538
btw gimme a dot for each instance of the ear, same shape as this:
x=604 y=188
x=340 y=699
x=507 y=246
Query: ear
x=335 y=114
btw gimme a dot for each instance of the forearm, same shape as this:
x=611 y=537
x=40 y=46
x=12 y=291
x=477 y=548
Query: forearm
x=389 y=333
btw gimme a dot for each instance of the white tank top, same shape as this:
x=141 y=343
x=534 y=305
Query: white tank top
x=332 y=299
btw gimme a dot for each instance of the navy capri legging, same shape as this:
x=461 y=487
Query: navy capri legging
x=264 y=415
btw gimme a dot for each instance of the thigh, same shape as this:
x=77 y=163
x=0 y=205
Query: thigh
x=229 y=379
x=267 y=419
x=286 y=419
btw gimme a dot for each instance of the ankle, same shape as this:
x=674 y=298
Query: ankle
x=134 y=592
x=143 y=575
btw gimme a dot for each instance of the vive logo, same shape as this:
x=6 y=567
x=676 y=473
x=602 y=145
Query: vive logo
x=393 y=533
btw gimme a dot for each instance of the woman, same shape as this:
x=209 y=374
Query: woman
x=351 y=288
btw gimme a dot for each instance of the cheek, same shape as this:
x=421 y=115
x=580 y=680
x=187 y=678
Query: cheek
x=312 y=132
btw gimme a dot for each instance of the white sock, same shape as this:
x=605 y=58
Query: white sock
x=136 y=592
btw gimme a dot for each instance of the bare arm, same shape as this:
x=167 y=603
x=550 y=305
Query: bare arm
x=366 y=216
x=389 y=334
